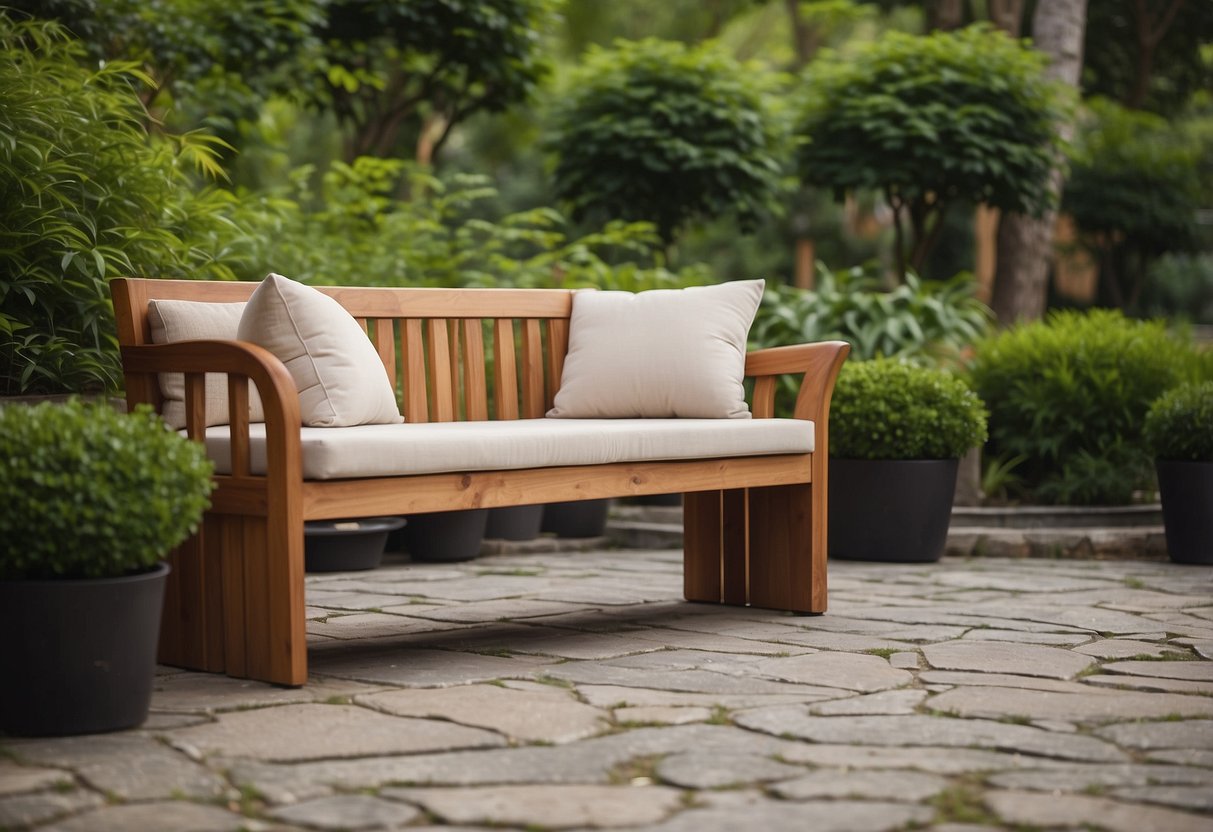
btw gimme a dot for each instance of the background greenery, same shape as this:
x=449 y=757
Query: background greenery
x=626 y=145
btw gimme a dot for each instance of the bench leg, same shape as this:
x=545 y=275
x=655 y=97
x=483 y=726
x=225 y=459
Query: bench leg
x=760 y=546
x=235 y=603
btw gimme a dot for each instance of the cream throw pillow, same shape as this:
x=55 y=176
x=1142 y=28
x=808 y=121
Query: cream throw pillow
x=658 y=354
x=340 y=378
x=188 y=320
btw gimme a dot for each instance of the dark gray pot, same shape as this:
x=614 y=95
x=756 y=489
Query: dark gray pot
x=346 y=545
x=446 y=536
x=893 y=510
x=1187 y=509
x=514 y=523
x=579 y=518
x=78 y=656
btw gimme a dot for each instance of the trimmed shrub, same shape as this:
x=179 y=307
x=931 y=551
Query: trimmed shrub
x=1070 y=394
x=659 y=131
x=89 y=492
x=1179 y=425
x=887 y=409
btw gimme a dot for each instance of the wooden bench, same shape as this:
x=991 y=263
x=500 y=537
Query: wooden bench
x=755 y=527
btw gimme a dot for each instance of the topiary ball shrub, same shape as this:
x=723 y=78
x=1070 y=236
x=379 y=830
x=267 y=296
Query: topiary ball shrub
x=89 y=492
x=1070 y=395
x=886 y=409
x=1179 y=426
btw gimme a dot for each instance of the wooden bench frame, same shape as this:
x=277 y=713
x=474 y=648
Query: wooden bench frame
x=754 y=527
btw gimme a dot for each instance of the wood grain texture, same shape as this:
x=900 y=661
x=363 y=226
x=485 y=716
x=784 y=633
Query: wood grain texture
x=416 y=403
x=702 y=573
x=532 y=370
x=475 y=381
x=384 y=338
x=505 y=372
x=558 y=347
x=442 y=397
x=786 y=572
x=491 y=489
x=734 y=546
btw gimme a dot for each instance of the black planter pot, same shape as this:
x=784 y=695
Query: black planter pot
x=894 y=510
x=1187 y=509
x=660 y=499
x=346 y=545
x=446 y=536
x=78 y=656
x=514 y=523
x=580 y=518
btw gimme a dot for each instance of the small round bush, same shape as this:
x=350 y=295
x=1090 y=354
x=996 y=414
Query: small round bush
x=1070 y=394
x=89 y=492
x=1179 y=425
x=886 y=409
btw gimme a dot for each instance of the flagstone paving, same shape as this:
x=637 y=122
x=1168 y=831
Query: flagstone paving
x=576 y=690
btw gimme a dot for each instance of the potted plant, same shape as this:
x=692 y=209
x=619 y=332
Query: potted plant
x=1179 y=430
x=897 y=432
x=93 y=499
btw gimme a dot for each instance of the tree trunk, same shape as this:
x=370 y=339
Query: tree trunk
x=1025 y=244
x=945 y=15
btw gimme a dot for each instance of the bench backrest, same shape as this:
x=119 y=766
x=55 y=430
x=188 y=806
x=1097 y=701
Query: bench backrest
x=444 y=348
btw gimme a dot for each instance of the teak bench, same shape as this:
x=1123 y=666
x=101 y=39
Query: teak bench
x=754 y=527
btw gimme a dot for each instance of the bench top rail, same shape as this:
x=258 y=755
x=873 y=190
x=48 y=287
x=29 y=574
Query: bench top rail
x=452 y=353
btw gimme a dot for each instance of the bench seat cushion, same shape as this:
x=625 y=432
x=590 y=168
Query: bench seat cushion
x=404 y=449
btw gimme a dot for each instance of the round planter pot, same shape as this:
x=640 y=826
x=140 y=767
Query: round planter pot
x=446 y=536
x=514 y=523
x=1187 y=509
x=78 y=656
x=580 y=518
x=894 y=510
x=346 y=545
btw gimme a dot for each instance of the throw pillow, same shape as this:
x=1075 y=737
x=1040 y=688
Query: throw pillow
x=658 y=354
x=188 y=320
x=340 y=378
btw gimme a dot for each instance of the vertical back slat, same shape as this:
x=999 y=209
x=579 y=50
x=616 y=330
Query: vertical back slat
x=195 y=406
x=384 y=339
x=476 y=402
x=442 y=399
x=532 y=370
x=457 y=410
x=415 y=408
x=505 y=372
x=237 y=402
x=558 y=346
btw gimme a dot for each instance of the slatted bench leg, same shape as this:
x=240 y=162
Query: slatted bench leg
x=235 y=603
x=757 y=546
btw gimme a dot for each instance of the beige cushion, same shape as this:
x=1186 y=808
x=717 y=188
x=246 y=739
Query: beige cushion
x=340 y=378
x=187 y=320
x=436 y=447
x=658 y=354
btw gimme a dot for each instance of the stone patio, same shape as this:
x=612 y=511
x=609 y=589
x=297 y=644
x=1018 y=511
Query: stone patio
x=575 y=690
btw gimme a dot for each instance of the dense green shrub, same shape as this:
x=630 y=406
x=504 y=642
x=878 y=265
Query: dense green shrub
x=1179 y=425
x=658 y=131
x=357 y=228
x=1180 y=286
x=85 y=195
x=1070 y=393
x=885 y=409
x=928 y=121
x=922 y=321
x=89 y=492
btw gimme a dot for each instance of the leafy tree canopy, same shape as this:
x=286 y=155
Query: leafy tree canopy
x=658 y=131
x=928 y=120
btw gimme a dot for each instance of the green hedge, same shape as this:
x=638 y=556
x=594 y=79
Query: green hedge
x=1070 y=395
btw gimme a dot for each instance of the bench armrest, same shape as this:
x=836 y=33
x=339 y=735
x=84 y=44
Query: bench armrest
x=818 y=364
x=241 y=362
